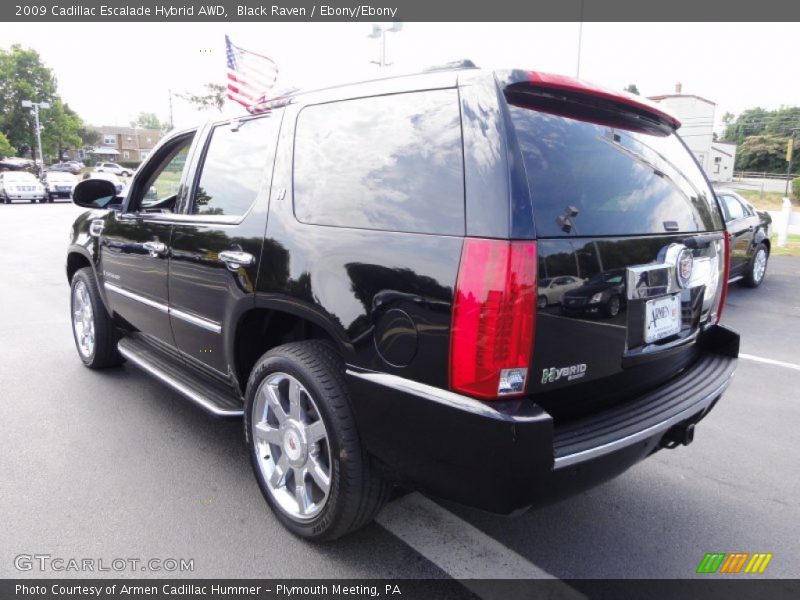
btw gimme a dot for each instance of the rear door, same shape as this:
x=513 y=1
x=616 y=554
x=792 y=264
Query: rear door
x=621 y=206
x=216 y=241
x=741 y=228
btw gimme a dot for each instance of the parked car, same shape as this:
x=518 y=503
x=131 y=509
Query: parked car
x=68 y=167
x=354 y=272
x=118 y=185
x=114 y=168
x=551 y=290
x=604 y=294
x=59 y=184
x=749 y=230
x=21 y=185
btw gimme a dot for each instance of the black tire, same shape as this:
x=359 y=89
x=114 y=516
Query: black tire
x=754 y=275
x=50 y=199
x=541 y=301
x=612 y=307
x=104 y=353
x=357 y=492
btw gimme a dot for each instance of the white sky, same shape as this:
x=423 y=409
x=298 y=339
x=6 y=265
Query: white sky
x=109 y=72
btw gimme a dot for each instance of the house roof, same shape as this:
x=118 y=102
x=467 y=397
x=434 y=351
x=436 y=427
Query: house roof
x=104 y=150
x=721 y=152
x=665 y=96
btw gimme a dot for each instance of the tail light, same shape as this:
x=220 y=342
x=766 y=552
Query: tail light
x=494 y=318
x=725 y=270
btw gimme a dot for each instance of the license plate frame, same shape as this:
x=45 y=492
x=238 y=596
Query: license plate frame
x=662 y=318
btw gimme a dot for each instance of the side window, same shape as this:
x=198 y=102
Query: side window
x=733 y=208
x=390 y=163
x=160 y=192
x=238 y=161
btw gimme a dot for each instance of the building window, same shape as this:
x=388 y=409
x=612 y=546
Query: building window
x=126 y=155
x=143 y=154
x=109 y=140
x=149 y=141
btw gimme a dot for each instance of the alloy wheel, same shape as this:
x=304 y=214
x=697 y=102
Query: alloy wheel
x=83 y=319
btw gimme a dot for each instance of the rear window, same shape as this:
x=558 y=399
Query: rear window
x=391 y=163
x=596 y=180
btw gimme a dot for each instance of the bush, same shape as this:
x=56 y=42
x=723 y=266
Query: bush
x=128 y=164
x=796 y=189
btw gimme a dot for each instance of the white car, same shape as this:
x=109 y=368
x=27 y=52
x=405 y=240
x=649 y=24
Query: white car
x=21 y=185
x=59 y=184
x=109 y=167
x=551 y=290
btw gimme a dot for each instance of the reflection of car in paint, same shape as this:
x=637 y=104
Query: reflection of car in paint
x=604 y=293
x=551 y=290
x=749 y=231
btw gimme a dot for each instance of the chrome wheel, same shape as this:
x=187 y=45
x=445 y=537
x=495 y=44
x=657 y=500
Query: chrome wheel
x=83 y=319
x=291 y=446
x=759 y=265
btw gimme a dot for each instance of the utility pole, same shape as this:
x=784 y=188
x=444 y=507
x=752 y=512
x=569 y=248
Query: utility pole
x=580 y=43
x=171 y=123
x=789 y=153
x=379 y=32
x=36 y=106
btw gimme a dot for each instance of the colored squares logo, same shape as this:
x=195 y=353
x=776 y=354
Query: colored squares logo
x=734 y=562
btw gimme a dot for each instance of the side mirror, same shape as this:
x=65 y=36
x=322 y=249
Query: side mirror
x=94 y=193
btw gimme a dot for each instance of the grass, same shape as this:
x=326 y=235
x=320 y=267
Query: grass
x=765 y=201
x=792 y=246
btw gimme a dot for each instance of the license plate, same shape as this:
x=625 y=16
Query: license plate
x=662 y=318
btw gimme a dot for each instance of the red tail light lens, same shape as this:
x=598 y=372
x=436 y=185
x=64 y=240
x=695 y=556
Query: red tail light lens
x=725 y=274
x=494 y=318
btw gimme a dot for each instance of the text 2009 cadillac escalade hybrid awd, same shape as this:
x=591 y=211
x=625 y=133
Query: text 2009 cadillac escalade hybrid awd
x=359 y=271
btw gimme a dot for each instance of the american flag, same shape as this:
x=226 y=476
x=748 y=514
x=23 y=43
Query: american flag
x=250 y=75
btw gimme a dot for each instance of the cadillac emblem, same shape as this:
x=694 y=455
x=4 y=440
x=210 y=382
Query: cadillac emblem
x=684 y=266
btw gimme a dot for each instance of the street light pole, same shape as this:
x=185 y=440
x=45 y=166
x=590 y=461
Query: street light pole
x=379 y=31
x=36 y=106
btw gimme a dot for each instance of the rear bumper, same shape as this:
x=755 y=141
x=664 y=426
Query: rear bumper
x=506 y=456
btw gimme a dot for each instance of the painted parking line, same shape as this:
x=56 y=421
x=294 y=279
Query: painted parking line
x=770 y=361
x=463 y=551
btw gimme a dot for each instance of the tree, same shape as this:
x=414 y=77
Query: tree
x=149 y=120
x=632 y=89
x=6 y=149
x=766 y=153
x=61 y=129
x=23 y=76
x=759 y=121
x=213 y=98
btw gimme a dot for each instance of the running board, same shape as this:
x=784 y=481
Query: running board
x=208 y=395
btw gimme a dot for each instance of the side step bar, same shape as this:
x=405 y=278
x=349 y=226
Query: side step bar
x=208 y=395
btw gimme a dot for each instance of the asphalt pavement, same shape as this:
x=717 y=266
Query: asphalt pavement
x=107 y=465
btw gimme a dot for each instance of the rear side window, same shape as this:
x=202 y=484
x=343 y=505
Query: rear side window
x=237 y=163
x=595 y=180
x=389 y=162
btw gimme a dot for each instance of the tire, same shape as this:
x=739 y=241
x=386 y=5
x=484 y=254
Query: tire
x=541 y=302
x=612 y=307
x=757 y=268
x=102 y=351
x=355 y=492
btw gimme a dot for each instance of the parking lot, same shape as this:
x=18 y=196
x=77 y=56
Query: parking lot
x=113 y=464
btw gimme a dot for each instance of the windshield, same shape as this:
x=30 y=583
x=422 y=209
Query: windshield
x=606 y=277
x=20 y=177
x=596 y=180
x=65 y=177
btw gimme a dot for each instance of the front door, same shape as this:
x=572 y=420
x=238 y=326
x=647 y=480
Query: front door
x=134 y=247
x=741 y=231
x=216 y=241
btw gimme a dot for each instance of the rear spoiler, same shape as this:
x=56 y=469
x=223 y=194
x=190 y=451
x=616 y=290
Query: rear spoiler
x=568 y=97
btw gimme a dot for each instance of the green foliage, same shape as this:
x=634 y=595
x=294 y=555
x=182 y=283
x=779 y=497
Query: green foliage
x=22 y=77
x=758 y=121
x=149 y=120
x=214 y=97
x=632 y=89
x=796 y=189
x=6 y=149
x=766 y=153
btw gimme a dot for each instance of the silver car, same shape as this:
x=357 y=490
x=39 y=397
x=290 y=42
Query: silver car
x=21 y=185
x=59 y=184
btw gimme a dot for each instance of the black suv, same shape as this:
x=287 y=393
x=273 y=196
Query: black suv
x=354 y=271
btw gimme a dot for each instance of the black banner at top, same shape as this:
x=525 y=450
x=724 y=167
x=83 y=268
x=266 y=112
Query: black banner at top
x=330 y=11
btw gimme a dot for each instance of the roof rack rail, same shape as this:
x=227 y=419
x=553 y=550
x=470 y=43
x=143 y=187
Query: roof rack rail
x=464 y=63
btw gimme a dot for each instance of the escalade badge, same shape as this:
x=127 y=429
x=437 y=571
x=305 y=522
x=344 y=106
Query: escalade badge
x=685 y=263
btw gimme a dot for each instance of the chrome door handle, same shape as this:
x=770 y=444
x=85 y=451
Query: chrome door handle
x=234 y=259
x=155 y=248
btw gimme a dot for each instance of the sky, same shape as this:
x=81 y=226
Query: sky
x=110 y=72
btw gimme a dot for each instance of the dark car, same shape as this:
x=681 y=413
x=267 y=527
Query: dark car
x=354 y=271
x=749 y=233
x=604 y=293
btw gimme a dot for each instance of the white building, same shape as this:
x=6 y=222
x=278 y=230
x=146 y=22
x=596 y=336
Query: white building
x=696 y=115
